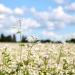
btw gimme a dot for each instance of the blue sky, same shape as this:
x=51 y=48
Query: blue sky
x=41 y=18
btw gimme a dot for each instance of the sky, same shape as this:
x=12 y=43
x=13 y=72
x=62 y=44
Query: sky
x=44 y=19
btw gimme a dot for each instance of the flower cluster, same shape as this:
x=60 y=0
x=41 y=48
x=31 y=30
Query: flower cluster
x=37 y=59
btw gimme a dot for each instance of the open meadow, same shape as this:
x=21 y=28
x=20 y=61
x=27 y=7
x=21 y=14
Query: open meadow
x=37 y=59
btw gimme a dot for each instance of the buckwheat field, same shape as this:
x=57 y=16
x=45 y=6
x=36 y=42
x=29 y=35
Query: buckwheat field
x=37 y=59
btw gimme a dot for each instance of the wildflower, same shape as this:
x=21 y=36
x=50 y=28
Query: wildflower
x=32 y=38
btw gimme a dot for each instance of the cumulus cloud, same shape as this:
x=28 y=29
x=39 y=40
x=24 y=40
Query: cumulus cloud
x=50 y=25
x=53 y=18
x=2 y=17
x=41 y=15
x=60 y=1
x=1 y=25
x=32 y=10
x=61 y=16
x=12 y=31
x=58 y=12
x=56 y=18
x=68 y=36
x=57 y=37
x=18 y=11
x=30 y=23
x=48 y=33
x=71 y=7
x=11 y=23
x=5 y=10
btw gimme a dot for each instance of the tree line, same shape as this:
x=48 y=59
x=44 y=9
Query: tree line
x=8 y=38
x=12 y=38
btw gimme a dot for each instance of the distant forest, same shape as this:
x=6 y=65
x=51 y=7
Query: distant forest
x=12 y=38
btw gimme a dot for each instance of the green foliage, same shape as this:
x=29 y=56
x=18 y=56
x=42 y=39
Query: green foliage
x=6 y=58
x=8 y=38
x=72 y=40
x=2 y=73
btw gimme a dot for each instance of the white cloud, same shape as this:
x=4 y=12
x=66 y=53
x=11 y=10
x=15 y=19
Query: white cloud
x=54 y=18
x=7 y=21
x=71 y=7
x=58 y=12
x=2 y=17
x=49 y=33
x=33 y=10
x=13 y=22
x=55 y=25
x=72 y=35
x=12 y=31
x=1 y=25
x=30 y=23
x=60 y=25
x=60 y=1
x=5 y=10
x=41 y=15
x=68 y=36
x=62 y=17
x=18 y=11
x=50 y=25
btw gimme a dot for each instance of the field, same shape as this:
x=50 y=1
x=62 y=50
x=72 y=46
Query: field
x=37 y=59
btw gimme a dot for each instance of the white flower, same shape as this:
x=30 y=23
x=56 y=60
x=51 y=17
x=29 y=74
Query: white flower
x=31 y=38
